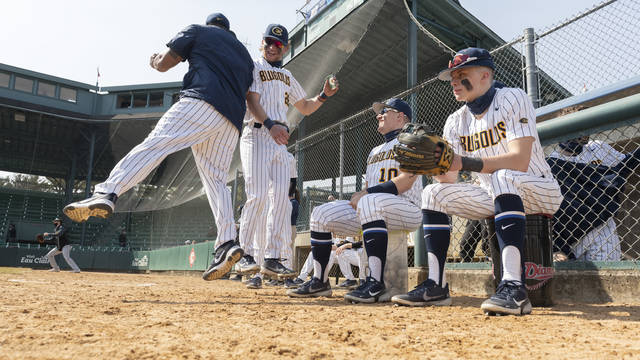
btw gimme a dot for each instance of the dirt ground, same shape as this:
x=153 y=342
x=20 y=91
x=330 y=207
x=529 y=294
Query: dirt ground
x=47 y=315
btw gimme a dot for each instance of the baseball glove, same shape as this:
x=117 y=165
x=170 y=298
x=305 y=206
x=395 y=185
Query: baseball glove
x=40 y=238
x=416 y=151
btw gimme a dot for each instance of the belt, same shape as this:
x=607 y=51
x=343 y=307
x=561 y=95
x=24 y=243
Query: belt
x=257 y=125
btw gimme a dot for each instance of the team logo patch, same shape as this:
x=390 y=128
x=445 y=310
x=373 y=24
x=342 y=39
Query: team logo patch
x=277 y=31
x=524 y=120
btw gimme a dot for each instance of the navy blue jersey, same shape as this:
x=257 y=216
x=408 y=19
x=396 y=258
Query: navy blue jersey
x=220 y=69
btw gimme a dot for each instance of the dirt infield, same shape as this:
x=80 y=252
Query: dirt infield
x=62 y=315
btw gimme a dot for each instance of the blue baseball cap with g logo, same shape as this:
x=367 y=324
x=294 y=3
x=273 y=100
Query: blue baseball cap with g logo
x=393 y=103
x=467 y=57
x=278 y=32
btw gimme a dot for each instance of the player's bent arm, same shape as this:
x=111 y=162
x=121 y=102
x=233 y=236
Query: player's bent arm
x=517 y=158
x=278 y=132
x=309 y=106
x=404 y=181
x=165 y=61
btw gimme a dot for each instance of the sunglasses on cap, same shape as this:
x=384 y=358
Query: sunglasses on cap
x=270 y=41
x=461 y=59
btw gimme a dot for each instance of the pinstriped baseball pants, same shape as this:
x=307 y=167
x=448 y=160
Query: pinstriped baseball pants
x=539 y=195
x=188 y=123
x=265 y=166
x=339 y=218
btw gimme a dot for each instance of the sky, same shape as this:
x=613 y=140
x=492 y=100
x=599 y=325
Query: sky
x=72 y=38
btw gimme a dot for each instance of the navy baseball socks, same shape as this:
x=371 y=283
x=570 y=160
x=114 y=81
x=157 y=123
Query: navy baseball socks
x=224 y=257
x=319 y=283
x=436 y=237
x=511 y=295
x=99 y=205
x=375 y=242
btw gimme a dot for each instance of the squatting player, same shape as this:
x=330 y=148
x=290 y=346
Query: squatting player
x=493 y=134
x=207 y=118
x=391 y=201
x=265 y=160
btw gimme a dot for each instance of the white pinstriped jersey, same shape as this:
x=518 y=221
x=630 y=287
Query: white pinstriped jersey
x=382 y=166
x=278 y=90
x=293 y=165
x=510 y=116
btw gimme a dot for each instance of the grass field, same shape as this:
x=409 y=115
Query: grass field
x=89 y=315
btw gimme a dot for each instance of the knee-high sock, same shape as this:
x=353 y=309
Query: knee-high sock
x=321 y=249
x=375 y=242
x=510 y=227
x=437 y=233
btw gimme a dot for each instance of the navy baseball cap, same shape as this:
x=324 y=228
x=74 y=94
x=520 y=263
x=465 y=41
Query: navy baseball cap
x=467 y=57
x=278 y=32
x=218 y=19
x=394 y=103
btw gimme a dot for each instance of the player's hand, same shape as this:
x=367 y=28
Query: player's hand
x=355 y=198
x=342 y=248
x=327 y=87
x=333 y=248
x=152 y=59
x=280 y=134
x=559 y=257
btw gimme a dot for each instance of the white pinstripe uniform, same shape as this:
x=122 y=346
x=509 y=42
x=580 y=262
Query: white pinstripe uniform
x=266 y=164
x=510 y=116
x=212 y=137
x=400 y=212
x=601 y=243
x=260 y=237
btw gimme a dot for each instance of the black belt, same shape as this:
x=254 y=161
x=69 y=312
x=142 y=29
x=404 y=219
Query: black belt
x=257 y=125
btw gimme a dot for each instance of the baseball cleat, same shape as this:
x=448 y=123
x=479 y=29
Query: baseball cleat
x=254 y=283
x=510 y=299
x=311 y=288
x=224 y=257
x=367 y=292
x=247 y=265
x=428 y=293
x=274 y=268
x=99 y=205
x=348 y=284
x=293 y=284
x=54 y=270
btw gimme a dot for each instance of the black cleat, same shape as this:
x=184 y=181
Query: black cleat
x=510 y=299
x=292 y=284
x=368 y=292
x=274 y=268
x=247 y=265
x=254 y=283
x=312 y=288
x=348 y=284
x=428 y=293
x=224 y=257
x=99 y=205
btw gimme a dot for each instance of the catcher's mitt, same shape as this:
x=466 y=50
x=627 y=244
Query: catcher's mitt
x=40 y=238
x=416 y=151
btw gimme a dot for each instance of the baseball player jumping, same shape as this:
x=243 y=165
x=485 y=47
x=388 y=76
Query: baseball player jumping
x=265 y=161
x=207 y=118
x=391 y=201
x=494 y=134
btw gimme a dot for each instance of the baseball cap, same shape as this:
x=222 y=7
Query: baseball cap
x=218 y=19
x=57 y=219
x=394 y=103
x=278 y=32
x=467 y=57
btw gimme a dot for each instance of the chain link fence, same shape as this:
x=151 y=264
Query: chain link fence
x=594 y=49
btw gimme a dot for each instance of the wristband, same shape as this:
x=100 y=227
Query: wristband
x=388 y=187
x=268 y=123
x=322 y=97
x=471 y=164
